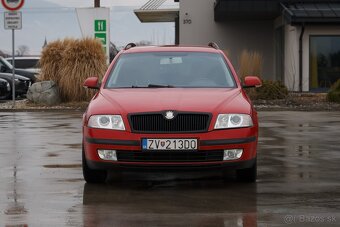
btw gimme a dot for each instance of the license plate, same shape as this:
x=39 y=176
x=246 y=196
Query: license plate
x=169 y=144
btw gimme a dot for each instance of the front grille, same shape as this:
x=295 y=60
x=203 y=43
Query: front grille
x=170 y=156
x=156 y=123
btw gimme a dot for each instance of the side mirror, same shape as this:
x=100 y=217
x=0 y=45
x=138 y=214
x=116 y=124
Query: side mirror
x=252 y=81
x=92 y=83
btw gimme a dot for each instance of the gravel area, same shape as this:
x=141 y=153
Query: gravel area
x=25 y=105
x=294 y=102
x=299 y=102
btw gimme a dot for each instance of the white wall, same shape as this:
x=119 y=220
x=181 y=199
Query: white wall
x=291 y=64
x=231 y=36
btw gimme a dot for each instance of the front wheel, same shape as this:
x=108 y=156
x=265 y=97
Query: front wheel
x=6 y=94
x=247 y=175
x=92 y=176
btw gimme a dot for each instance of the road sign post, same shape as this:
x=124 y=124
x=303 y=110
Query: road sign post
x=13 y=21
x=13 y=69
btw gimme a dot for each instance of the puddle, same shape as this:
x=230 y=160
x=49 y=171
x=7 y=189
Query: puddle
x=71 y=180
x=77 y=145
x=52 y=155
x=16 y=210
x=63 y=166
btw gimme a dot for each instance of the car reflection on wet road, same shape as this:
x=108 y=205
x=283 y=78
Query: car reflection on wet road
x=298 y=183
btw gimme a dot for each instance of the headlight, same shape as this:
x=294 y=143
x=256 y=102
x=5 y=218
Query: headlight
x=233 y=121
x=114 y=122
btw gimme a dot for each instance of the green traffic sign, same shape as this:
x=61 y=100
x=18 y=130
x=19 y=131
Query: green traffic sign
x=100 y=25
x=101 y=36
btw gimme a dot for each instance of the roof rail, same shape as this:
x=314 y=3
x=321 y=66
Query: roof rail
x=129 y=45
x=214 y=45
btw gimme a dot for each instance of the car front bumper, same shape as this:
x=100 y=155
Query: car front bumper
x=129 y=144
x=21 y=87
x=218 y=166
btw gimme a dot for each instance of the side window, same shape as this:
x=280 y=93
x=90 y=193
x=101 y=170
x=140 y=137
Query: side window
x=25 y=63
x=21 y=63
x=2 y=67
x=18 y=64
x=29 y=63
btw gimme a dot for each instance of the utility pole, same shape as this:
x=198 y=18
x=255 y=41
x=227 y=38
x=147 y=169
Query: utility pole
x=96 y=3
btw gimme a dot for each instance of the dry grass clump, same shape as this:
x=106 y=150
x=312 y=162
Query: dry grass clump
x=250 y=64
x=83 y=59
x=69 y=62
x=50 y=60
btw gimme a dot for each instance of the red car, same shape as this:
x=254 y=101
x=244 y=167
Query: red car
x=170 y=107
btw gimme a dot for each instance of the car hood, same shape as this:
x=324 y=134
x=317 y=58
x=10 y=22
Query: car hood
x=26 y=74
x=136 y=100
x=9 y=76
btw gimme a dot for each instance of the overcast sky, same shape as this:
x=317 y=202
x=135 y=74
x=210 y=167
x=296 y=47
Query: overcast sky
x=56 y=19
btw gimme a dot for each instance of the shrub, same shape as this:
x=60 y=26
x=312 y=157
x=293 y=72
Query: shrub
x=270 y=90
x=334 y=94
x=69 y=62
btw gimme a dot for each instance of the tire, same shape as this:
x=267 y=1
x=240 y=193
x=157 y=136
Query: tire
x=247 y=175
x=7 y=95
x=4 y=94
x=92 y=176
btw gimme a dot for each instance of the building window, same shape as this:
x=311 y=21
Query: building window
x=324 y=62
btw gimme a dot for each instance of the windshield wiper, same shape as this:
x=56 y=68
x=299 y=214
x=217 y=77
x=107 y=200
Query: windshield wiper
x=160 y=86
x=153 y=86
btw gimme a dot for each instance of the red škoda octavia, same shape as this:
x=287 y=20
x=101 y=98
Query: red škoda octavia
x=170 y=107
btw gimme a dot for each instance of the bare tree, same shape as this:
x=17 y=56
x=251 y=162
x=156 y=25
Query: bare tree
x=3 y=54
x=22 y=50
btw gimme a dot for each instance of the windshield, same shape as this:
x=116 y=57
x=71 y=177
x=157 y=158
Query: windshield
x=170 y=69
x=6 y=63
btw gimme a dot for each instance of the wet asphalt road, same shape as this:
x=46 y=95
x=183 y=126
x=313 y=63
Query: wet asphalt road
x=298 y=181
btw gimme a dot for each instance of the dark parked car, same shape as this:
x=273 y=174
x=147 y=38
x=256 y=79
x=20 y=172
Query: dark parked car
x=21 y=85
x=5 y=89
x=28 y=63
x=6 y=67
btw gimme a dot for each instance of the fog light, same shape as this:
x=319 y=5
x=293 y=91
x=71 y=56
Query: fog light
x=107 y=155
x=232 y=154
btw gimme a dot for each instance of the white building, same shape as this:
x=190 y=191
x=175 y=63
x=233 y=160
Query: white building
x=299 y=40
